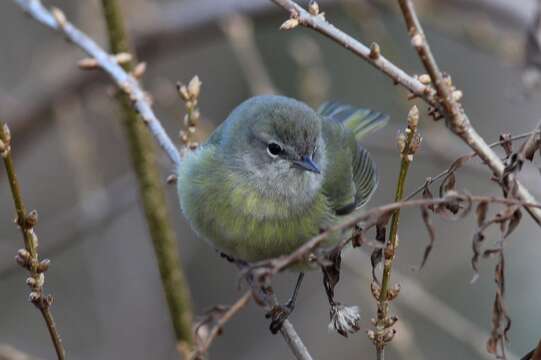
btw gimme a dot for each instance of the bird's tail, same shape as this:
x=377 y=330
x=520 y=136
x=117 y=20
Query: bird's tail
x=361 y=121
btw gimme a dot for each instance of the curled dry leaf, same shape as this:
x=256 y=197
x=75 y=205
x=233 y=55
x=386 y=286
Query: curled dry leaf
x=513 y=222
x=506 y=144
x=431 y=234
x=476 y=247
x=331 y=273
x=481 y=212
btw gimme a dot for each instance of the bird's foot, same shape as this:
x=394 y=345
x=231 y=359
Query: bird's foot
x=278 y=314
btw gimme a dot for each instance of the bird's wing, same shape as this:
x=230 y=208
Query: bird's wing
x=361 y=121
x=351 y=172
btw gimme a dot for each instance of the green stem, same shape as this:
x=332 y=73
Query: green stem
x=153 y=195
x=408 y=149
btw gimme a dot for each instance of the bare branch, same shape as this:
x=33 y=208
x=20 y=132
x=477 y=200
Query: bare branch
x=56 y=20
x=28 y=257
x=371 y=218
x=217 y=329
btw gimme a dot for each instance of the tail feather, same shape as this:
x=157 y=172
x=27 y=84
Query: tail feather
x=361 y=121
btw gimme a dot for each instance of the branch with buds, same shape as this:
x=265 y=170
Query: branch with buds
x=438 y=93
x=190 y=95
x=56 y=20
x=408 y=142
x=28 y=257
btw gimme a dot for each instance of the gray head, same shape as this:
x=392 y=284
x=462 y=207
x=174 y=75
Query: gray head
x=276 y=143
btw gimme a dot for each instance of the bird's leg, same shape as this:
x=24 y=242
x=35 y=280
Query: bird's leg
x=280 y=313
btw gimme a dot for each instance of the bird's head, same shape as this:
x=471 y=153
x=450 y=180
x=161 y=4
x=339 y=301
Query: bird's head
x=276 y=142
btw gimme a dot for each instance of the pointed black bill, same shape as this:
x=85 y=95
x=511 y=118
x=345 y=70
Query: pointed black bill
x=306 y=163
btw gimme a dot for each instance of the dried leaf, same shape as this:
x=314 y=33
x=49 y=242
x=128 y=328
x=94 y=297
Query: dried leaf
x=506 y=144
x=514 y=222
x=448 y=184
x=481 y=212
x=529 y=152
x=514 y=165
x=331 y=273
x=476 y=247
x=427 y=194
x=431 y=234
x=375 y=259
x=501 y=323
x=357 y=239
x=491 y=252
x=381 y=233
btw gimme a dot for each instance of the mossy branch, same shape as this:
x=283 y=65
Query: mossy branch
x=152 y=192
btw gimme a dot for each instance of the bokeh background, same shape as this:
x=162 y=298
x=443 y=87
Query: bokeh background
x=74 y=167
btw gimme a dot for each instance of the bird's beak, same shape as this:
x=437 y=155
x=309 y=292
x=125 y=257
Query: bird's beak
x=306 y=163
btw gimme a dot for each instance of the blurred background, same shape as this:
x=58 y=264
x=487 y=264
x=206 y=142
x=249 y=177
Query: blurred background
x=73 y=163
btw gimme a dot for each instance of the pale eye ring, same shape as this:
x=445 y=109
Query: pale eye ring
x=274 y=149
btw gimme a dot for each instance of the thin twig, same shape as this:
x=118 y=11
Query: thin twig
x=152 y=193
x=319 y=24
x=470 y=156
x=409 y=144
x=28 y=257
x=457 y=120
x=370 y=217
x=56 y=20
x=217 y=329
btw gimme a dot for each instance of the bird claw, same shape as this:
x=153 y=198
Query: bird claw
x=278 y=314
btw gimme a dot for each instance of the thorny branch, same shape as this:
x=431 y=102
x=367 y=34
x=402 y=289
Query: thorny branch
x=56 y=20
x=28 y=257
x=443 y=100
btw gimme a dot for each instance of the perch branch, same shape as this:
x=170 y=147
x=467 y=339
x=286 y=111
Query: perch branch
x=56 y=20
x=28 y=257
x=456 y=118
x=152 y=193
x=371 y=217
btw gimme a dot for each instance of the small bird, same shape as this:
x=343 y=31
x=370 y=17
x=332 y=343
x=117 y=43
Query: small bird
x=275 y=173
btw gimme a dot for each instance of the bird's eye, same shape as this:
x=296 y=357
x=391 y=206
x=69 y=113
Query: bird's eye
x=274 y=149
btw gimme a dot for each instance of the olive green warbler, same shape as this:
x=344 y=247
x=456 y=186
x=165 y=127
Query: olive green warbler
x=275 y=173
